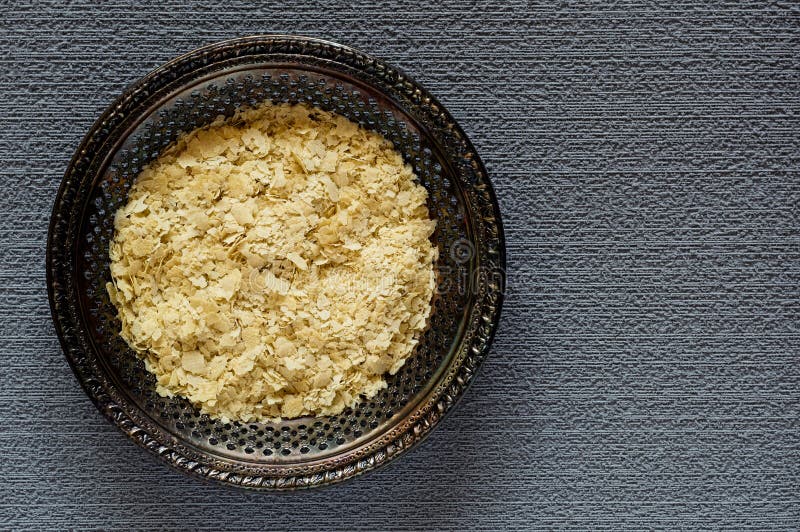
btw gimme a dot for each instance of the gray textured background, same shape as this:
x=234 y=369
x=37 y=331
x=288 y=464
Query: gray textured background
x=647 y=366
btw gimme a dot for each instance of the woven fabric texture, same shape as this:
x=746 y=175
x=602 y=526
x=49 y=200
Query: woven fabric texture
x=647 y=368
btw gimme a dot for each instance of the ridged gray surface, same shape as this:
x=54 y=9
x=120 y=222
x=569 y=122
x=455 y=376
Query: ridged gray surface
x=647 y=367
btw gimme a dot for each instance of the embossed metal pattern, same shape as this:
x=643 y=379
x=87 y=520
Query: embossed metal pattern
x=190 y=92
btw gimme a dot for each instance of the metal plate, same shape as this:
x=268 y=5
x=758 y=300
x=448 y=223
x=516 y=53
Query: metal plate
x=192 y=91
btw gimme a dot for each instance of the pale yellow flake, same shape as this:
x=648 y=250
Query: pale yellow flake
x=297 y=260
x=193 y=361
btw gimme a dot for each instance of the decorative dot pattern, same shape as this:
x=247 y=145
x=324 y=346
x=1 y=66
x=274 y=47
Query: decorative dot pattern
x=198 y=106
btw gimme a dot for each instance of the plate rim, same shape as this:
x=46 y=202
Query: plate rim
x=411 y=430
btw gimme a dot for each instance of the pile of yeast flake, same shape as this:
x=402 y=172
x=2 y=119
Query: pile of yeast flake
x=273 y=265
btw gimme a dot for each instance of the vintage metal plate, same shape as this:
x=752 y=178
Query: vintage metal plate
x=190 y=92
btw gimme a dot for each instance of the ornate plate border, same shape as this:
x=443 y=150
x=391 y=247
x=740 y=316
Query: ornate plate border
x=481 y=324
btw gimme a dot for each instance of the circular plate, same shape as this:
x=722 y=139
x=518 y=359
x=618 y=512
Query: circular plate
x=191 y=91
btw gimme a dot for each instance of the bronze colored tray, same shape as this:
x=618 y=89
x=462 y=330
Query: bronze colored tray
x=192 y=91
